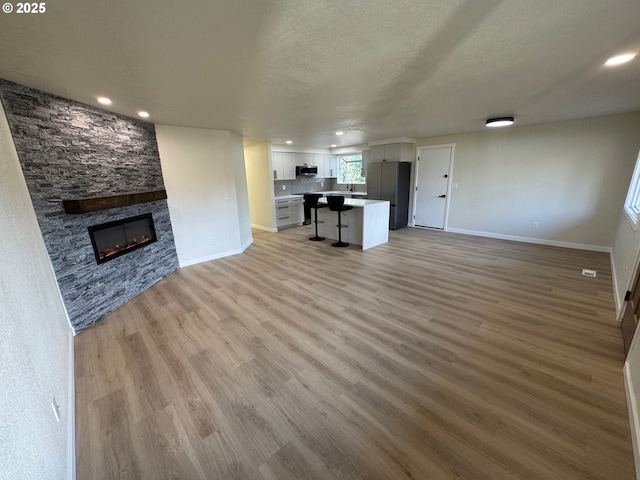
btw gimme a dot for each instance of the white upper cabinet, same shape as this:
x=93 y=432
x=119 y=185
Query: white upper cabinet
x=378 y=153
x=332 y=166
x=366 y=160
x=305 y=159
x=289 y=165
x=326 y=164
x=284 y=164
x=392 y=152
x=278 y=168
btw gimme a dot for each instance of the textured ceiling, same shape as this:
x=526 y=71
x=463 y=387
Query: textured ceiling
x=302 y=69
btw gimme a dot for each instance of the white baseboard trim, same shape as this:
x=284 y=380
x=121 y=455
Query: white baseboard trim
x=539 y=241
x=208 y=258
x=247 y=244
x=632 y=407
x=266 y=229
x=215 y=256
x=71 y=402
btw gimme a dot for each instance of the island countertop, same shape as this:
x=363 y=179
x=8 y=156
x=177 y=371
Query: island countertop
x=355 y=202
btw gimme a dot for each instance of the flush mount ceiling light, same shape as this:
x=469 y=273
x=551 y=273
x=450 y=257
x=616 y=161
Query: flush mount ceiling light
x=143 y=114
x=333 y=145
x=289 y=142
x=620 y=59
x=104 y=100
x=499 y=122
x=339 y=132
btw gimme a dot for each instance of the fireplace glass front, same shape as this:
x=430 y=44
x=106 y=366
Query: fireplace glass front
x=113 y=239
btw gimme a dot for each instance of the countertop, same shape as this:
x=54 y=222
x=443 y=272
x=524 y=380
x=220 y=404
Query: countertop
x=288 y=197
x=325 y=193
x=357 y=202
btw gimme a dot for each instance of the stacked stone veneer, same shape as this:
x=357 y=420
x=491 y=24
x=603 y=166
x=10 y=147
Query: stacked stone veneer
x=70 y=150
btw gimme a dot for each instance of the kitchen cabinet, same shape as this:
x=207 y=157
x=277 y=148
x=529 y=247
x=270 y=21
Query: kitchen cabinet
x=304 y=159
x=392 y=152
x=297 y=212
x=289 y=165
x=289 y=212
x=276 y=163
x=326 y=164
x=332 y=166
x=366 y=160
x=284 y=165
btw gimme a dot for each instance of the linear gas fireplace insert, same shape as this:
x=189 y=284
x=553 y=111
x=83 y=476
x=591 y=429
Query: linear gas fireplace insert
x=113 y=239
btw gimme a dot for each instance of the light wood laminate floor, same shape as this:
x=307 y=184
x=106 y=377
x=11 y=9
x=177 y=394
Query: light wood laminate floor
x=435 y=356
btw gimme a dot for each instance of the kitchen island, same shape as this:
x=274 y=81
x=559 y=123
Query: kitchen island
x=366 y=224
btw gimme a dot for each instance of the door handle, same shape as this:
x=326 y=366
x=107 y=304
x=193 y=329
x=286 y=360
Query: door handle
x=442 y=196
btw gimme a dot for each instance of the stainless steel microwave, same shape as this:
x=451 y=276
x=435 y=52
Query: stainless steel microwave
x=306 y=171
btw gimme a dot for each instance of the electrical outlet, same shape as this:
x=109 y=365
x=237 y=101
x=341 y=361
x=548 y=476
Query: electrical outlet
x=455 y=186
x=284 y=187
x=210 y=240
x=534 y=225
x=588 y=273
x=226 y=196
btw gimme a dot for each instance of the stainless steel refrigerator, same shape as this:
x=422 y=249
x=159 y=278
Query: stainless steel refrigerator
x=391 y=181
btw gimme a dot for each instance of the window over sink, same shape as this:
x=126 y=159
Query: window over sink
x=350 y=168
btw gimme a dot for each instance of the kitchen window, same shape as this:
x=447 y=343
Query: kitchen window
x=350 y=168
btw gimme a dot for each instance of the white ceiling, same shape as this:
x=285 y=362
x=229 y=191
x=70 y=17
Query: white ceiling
x=274 y=70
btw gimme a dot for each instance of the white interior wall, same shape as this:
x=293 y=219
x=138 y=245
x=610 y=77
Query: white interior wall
x=571 y=177
x=260 y=185
x=209 y=215
x=242 y=193
x=36 y=358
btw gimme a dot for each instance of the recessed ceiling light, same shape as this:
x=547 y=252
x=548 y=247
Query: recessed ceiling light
x=104 y=100
x=339 y=132
x=333 y=145
x=289 y=142
x=143 y=114
x=499 y=122
x=620 y=59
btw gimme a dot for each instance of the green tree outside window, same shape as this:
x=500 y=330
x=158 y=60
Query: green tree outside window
x=350 y=169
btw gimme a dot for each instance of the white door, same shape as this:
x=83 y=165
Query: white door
x=433 y=170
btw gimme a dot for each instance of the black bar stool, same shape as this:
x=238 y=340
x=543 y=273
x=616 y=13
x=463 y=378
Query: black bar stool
x=336 y=204
x=311 y=201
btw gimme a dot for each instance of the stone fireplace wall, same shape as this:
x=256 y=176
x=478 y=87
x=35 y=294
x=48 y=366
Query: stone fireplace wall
x=70 y=150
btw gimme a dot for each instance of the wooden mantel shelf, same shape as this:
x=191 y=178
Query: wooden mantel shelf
x=94 y=204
